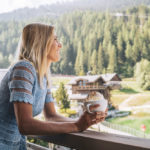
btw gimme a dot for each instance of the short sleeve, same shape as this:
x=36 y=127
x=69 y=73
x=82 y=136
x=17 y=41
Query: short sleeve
x=21 y=82
x=49 y=97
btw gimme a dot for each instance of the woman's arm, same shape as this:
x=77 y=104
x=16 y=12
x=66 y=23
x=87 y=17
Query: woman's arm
x=28 y=125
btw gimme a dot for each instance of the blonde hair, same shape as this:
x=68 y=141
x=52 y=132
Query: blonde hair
x=36 y=44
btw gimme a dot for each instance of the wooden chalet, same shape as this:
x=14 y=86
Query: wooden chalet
x=84 y=86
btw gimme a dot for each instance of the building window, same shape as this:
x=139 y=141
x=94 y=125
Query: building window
x=80 y=83
x=84 y=83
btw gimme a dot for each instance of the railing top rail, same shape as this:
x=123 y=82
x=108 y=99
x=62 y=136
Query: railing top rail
x=97 y=140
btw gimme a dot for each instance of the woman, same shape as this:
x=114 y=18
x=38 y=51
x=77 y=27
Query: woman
x=25 y=92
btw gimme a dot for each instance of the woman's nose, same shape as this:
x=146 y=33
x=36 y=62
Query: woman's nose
x=60 y=45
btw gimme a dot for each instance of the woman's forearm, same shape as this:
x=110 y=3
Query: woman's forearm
x=37 y=127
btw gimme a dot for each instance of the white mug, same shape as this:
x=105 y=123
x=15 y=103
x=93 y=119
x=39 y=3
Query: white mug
x=102 y=102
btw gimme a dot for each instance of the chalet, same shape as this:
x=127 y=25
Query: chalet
x=84 y=86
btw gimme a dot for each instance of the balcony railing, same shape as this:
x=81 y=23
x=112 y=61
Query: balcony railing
x=90 y=87
x=91 y=140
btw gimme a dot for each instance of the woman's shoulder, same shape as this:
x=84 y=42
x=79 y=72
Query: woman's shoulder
x=22 y=64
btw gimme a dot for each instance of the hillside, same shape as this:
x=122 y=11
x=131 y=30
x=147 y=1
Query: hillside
x=92 y=41
x=55 y=10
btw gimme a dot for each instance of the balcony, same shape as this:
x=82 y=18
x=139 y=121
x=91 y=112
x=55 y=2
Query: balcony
x=92 y=140
x=90 y=87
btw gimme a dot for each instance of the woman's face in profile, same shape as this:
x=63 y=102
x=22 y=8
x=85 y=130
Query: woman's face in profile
x=54 y=54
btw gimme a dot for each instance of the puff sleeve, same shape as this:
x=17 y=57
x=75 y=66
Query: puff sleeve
x=21 y=82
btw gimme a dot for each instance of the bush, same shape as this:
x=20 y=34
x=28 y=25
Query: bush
x=37 y=141
x=142 y=74
x=67 y=112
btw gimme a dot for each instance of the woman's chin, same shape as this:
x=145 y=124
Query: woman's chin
x=56 y=60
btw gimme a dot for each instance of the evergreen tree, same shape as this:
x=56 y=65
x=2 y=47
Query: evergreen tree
x=121 y=49
x=136 y=52
x=128 y=54
x=100 y=60
x=142 y=74
x=79 y=64
x=62 y=97
x=112 y=66
x=94 y=62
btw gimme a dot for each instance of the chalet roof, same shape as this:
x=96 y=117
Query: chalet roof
x=92 y=78
x=78 y=96
x=113 y=85
x=2 y=73
x=109 y=76
x=89 y=79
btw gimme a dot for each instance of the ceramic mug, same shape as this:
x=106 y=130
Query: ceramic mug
x=102 y=102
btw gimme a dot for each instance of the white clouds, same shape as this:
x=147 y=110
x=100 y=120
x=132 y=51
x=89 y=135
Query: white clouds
x=9 y=5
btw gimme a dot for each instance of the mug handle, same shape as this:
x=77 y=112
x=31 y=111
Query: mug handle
x=88 y=108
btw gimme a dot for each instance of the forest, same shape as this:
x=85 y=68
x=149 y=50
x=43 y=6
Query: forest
x=100 y=42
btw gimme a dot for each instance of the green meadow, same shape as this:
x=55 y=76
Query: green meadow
x=137 y=97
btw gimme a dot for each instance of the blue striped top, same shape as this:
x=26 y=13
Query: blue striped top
x=20 y=84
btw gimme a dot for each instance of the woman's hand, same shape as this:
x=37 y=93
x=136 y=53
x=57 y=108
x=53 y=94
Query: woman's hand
x=88 y=119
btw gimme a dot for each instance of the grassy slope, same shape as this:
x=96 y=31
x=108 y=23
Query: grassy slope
x=133 y=122
x=129 y=88
x=140 y=97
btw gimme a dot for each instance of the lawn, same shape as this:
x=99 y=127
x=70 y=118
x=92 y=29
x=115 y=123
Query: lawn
x=137 y=97
x=117 y=99
x=134 y=122
x=129 y=88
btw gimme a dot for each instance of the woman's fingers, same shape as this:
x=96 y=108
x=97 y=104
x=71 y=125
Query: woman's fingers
x=93 y=107
x=97 y=117
x=88 y=119
x=94 y=121
x=100 y=116
x=100 y=120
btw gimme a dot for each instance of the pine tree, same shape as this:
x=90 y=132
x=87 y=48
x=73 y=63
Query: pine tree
x=62 y=97
x=121 y=49
x=142 y=74
x=94 y=62
x=112 y=66
x=79 y=64
x=128 y=53
x=77 y=61
x=100 y=60
x=136 y=50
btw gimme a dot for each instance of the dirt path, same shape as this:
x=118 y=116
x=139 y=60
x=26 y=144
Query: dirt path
x=125 y=104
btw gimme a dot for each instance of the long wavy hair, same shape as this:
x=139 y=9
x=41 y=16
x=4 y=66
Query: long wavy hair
x=35 y=45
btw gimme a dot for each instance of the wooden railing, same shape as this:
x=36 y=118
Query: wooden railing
x=91 y=140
